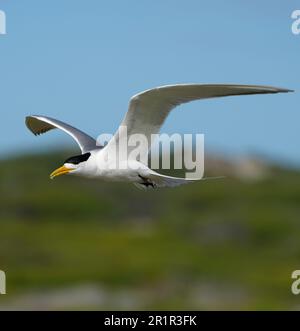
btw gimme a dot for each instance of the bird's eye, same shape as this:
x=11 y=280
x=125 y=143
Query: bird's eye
x=78 y=158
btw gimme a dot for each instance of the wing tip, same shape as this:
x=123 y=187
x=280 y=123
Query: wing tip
x=263 y=88
x=27 y=122
x=30 y=125
x=284 y=90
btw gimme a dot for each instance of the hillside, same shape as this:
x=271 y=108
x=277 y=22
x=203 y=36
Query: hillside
x=73 y=243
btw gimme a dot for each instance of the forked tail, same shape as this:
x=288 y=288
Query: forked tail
x=156 y=180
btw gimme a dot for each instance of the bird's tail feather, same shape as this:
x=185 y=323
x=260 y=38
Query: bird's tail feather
x=156 y=180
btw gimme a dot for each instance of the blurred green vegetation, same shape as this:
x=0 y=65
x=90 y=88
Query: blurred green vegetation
x=219 y=244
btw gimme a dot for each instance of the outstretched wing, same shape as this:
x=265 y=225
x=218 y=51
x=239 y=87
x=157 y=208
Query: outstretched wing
x=149 y=109
x=41 y=124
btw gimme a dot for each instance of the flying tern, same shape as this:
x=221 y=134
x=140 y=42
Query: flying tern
x=146 y=114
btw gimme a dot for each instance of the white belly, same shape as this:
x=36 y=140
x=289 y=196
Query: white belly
x=123 y=171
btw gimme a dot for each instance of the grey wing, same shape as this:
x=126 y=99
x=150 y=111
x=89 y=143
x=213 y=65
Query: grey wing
x=149 y=109
x=41 y=124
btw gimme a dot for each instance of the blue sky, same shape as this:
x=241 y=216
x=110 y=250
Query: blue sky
x=81 y=61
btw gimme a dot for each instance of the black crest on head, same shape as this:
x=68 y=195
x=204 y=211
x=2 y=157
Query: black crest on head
x=78 y=158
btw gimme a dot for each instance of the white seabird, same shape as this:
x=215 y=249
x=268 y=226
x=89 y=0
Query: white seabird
x=146 y=114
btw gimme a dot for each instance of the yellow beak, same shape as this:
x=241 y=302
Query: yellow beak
x=60 y=171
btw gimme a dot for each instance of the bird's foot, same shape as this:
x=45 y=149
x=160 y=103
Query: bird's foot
x=147 y=182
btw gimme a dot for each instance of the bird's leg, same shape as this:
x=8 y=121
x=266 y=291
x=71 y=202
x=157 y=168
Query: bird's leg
x=147 y=182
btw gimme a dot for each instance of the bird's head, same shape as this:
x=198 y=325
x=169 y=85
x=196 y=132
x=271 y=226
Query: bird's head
x=73 y=165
